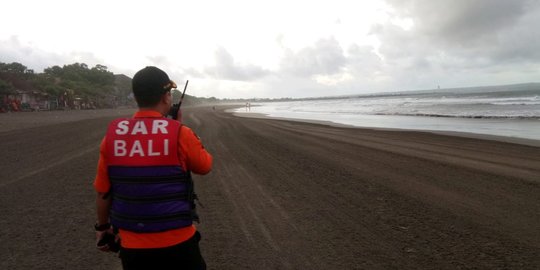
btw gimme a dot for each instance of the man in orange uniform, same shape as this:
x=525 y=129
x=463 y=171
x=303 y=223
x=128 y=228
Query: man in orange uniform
x=143 y=182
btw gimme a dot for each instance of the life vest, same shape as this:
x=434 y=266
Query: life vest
x=151 y=191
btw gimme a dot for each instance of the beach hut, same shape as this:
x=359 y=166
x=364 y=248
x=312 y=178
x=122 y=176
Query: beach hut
x=34 y=100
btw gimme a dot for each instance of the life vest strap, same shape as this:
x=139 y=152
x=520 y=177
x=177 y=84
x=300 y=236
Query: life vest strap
x=181 y=196
x=184 y=215
x=150 y=179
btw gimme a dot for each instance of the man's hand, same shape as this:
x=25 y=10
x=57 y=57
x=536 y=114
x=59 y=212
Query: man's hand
x=105 y=240
x=101 y=242
x=102 y=227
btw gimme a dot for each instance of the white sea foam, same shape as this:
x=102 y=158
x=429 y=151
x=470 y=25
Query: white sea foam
x=513 y=114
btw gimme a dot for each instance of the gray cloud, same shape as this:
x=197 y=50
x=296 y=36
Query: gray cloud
x=192 y=72
x=452 y=43
x=226 y=68
x=479 y=31
x=160 y=61
x=460 y=42
x=521 y=41
x=362 y=60
x=12 y=50
x=324 y=58
x=462 y=20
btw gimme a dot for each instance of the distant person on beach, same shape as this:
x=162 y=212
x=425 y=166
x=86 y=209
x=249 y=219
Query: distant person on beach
x=144 y=186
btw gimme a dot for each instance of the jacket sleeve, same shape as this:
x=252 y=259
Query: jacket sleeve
x=102 y=182
x=198 y=160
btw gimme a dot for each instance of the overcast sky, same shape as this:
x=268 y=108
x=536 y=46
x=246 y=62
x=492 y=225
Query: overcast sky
x=231 y=49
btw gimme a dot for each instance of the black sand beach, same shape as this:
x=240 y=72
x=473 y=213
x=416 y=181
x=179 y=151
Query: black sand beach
x=287 y=195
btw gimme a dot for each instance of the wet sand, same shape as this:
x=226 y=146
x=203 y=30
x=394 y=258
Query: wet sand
x=288 y=195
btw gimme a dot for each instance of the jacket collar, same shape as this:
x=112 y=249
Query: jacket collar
x=144 y=114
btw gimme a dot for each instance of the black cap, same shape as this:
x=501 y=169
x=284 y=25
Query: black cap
x=151 y=81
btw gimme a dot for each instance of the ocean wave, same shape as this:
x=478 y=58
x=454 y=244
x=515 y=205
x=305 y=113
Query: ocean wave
x=523 y=103
x=431 y=111
x=524 y=117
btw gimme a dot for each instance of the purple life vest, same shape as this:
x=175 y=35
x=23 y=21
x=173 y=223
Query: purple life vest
x=151 y=191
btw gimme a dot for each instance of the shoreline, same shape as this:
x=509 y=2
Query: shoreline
x=506 y=139
x=15 y=121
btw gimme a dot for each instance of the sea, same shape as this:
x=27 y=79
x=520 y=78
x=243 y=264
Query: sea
x=509 y=111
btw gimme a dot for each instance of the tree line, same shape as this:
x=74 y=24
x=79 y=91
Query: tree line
x=69 y=86
x=77 y=78
x=78 y=81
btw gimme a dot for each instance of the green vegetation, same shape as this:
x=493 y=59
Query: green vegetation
x=84 y=81
x=72 y=85
x=6 y=88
